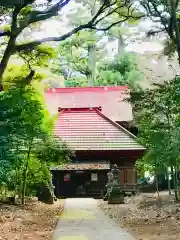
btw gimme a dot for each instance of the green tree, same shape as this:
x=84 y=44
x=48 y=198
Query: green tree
x=120 y=71
x=23 y=15
x=82 y=53
x=76 y=81
x=91 y=38
x=73 y=54
x=27 y=136
x=166 y=15
x=25 y=67
x=157 y=116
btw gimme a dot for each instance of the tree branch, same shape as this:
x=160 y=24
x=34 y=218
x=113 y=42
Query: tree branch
x=27 y=80
x=33 y=44
x=154 y=32
x=37 y=16
x=14 y=19
x=124 y=16
x=90 y=25
x=10 y=48
x=106 y=4
x=159 y=15
x=154 y=13
x=110 y=26
x=26 y=61
x=5 y=34
x=108 y=14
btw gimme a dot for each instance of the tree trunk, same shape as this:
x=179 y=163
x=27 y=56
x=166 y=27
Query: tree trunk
x=120 y=45
x=176 y=187
x=16 y=184
x=174 y=182
x=25 y=173
x=92 y=65
x=157 y=184
x=24 y=184
x=51 y=189
x=92 y=56
x=5 y=59
x=169 y=183
x=176 y=26
x=29 y=77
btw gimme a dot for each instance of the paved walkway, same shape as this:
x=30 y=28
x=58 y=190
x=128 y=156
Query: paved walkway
x=82 y=219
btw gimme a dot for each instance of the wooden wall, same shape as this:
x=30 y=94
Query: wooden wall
x=69 y=189
x=127 y=176
x=125 y=160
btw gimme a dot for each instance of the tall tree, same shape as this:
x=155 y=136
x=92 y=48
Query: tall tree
x=157 y=116
x=74 y=55
x=25 y=138
x=27 y=66
x=122 y=70
x=23 y=15
x=166 y=15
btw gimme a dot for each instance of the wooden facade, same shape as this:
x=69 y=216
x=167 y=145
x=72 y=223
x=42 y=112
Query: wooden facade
x=89 y=122
x=80 y=183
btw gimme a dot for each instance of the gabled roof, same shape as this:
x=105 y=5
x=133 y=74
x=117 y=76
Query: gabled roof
x=112 y=100
x=90 y=129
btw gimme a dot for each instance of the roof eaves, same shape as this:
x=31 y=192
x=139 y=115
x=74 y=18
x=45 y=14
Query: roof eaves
x=118 y=126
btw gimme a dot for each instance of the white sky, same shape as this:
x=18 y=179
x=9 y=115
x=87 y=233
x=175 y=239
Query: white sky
x=60 y=26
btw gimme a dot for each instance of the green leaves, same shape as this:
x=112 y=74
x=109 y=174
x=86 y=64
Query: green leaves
x=166 y=16
x=26 y=61
x=5 y=28
x=74 y=55
x=157 y=117
x=52 y=151
x=121 y=71
x=26 y=10
x=76 y=81
x=27 y=145
x=39 y=56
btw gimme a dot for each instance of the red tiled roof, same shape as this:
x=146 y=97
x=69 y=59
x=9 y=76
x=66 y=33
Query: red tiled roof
x=112 y=100
x=82 y=166
x=89 y=129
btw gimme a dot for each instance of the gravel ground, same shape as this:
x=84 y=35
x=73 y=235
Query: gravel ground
x=147 y=218
x=34 y=221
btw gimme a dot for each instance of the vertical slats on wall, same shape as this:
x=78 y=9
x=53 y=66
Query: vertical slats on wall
x=121 y=176
x=130 y=175
x=127 y=175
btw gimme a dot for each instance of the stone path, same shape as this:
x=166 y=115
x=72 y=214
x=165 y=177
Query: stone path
x=82 y=219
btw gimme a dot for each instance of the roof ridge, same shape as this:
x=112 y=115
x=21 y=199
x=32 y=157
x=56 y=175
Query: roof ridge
x=90 y=89
x=79 y=108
